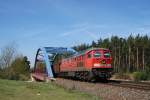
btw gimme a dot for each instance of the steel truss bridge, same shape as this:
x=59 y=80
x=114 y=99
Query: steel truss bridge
x=46 y=56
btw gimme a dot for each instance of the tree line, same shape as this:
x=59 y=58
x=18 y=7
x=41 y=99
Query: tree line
x=129 y=54
x=13 y=66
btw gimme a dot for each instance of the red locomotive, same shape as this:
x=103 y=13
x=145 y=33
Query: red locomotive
x=88 y=65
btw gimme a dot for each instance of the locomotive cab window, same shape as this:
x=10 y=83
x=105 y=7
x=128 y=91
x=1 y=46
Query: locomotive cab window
x=106 y=54
x=97 y=54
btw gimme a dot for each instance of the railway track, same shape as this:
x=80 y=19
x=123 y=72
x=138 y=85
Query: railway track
x=129 y=84
x=125 y=84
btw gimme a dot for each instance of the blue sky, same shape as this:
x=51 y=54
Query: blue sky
x=35 y=23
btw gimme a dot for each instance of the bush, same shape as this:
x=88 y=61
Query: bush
x=125 y=76
x=18 y=70
x=138 y=76
x=23 y=77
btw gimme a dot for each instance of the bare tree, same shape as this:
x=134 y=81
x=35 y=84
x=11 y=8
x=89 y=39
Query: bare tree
x=7 y=55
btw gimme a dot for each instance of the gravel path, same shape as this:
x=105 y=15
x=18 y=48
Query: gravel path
x=106 y=92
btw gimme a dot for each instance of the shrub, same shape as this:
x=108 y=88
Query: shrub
x=138 y=76
x=18 y=70
x=125 y=76
x=23 y=77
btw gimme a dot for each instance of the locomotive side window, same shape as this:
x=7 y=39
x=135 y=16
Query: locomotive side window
x=89 y=55
x=106 y=54
x=97 y=54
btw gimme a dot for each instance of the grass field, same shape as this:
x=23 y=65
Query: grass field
x=19 y=90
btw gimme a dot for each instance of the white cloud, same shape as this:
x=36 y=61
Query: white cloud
x=74 y=31
x=91 y=30
x=93 y=35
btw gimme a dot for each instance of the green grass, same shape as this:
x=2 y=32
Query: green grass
x=19 y=90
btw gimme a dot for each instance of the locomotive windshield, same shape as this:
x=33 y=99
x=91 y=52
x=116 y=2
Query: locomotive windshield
x=106 y=54
x=97 y=54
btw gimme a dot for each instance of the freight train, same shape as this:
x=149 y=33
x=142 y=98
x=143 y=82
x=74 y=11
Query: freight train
x=91 y=64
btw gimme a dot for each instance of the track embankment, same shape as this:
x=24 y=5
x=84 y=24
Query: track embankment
x=105 y=91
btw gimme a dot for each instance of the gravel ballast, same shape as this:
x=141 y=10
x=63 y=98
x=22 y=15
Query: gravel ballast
x=104 y=91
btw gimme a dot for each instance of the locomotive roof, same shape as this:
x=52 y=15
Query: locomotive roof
x=83 y=52
x=90 y=49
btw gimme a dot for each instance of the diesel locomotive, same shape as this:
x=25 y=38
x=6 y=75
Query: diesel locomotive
x=91 y=64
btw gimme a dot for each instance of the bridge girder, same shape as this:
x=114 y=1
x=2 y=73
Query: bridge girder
x=48 y=55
